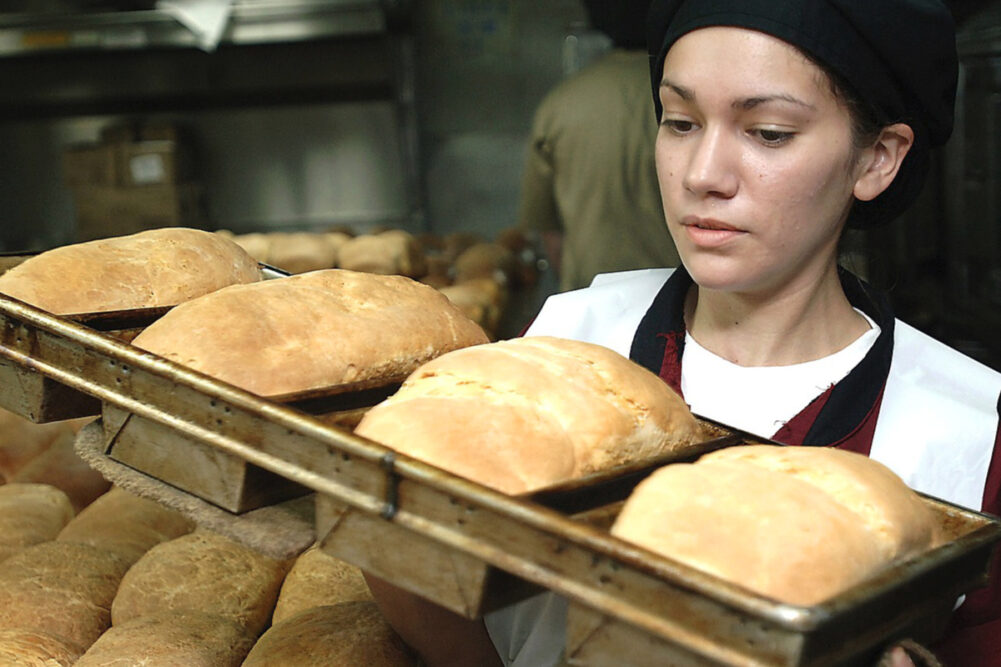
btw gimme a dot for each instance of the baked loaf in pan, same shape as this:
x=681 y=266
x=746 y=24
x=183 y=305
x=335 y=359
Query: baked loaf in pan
x=159 y=267
x=312 y=330
x=522 y=414
x=796 y=524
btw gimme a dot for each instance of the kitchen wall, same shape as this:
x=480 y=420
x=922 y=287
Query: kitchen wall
x=481 y=67
x=484 y=66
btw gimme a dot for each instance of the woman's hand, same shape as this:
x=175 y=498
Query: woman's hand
x=908 y=653
x=897 y=657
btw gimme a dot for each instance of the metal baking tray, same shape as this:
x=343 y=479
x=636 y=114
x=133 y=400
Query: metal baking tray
x=213 y=475
x=702 y=620
x=38 y=398
x=563 y=551
x=462 y=583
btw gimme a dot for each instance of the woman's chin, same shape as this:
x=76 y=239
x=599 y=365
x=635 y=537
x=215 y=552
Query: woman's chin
x=724 y=275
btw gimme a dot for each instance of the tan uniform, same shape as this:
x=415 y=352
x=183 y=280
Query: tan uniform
x=590 y=171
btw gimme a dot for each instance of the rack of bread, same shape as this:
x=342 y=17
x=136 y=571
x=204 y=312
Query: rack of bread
x=367 y=414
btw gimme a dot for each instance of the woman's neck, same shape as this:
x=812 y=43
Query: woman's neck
x=789 y=326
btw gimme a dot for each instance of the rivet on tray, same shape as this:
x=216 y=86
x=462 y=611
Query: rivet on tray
x=389 y=508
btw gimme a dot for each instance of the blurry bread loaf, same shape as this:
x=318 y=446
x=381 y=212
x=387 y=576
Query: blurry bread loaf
x=256 y=244
x=60 y=588
x=60 y=466
x=159 y=267
x=21 y=440
x=318 y=579
x=486 y=260
x=797 y=524
x=31 y=514
x=172 y=639
x=301 y=252
x=126 y=524
x=28 y=648
x=521 y=414
x=481 y=299
x=437 y=274
x=393 y=252
x=204 y=572
x=456 y=243
x=349 y=634
x=310 y=331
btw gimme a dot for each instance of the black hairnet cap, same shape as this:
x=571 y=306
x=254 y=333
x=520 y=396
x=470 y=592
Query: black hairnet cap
x=899 y=56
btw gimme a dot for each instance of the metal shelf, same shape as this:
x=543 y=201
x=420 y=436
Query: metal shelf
x=250 y=22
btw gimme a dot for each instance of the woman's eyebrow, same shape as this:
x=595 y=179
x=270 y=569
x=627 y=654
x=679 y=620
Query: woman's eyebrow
x=751 y=102
x=686 y=94
x=744 y=104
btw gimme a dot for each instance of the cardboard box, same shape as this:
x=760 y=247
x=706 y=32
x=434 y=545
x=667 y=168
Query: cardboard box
x=90 y=164
x=144 y=163
x=103 y=211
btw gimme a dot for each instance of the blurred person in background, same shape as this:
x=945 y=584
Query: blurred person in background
x=589 y=186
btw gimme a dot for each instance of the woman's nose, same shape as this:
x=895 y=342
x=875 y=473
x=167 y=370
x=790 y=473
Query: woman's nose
x=711 y=167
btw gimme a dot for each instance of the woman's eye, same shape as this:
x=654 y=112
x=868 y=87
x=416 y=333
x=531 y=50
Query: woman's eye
x=772 y=137
x=678 y=126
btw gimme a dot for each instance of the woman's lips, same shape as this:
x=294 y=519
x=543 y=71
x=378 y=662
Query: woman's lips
x=709 y=233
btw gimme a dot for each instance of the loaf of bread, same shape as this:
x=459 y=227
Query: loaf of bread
x=60 y=588
x=522 y=414
x=30 y=514
x=456 y=243
x=486 y=260
x=21 y=440
x=204 y=572
x=301 y=252
x=393 y=252
x=796 y=524
x=60 y=466
x=256 y=244
x=172 y=639
x=481 y=299
x=126 y=524
x=312 y=330
x=28 y=648
x=159 y=267
x=349 y=634
x=317 y=579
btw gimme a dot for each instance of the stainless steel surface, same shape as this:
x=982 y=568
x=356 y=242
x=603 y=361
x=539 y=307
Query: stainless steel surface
x=720 y=622
x=250 y=22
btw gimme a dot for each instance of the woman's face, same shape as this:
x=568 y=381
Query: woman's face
x=755 y=161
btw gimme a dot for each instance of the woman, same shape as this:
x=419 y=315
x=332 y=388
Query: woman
x=780 y=124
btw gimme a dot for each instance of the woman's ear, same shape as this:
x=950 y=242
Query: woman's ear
x=881 y=161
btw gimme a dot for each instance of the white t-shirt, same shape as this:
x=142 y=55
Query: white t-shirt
x=761 y=399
